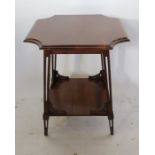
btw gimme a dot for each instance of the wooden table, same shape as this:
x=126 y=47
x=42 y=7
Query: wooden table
x=77 y=34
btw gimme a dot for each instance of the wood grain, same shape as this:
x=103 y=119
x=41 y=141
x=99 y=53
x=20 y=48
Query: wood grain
x=79 y=97
x=96 y=32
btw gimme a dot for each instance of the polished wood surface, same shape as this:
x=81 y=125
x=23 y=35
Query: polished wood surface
x=79 y=97
x=77 y=31
x=77 y=34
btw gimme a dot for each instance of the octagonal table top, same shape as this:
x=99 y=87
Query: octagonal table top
x=77 y=31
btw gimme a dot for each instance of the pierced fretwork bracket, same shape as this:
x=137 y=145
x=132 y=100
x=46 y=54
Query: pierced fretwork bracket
x=99 y=76
x=57 y=77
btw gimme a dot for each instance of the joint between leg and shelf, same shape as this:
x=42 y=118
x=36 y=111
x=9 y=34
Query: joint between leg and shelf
x=58 y=77
x=99 y=76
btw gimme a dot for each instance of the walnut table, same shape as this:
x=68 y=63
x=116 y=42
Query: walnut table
x=77 y=34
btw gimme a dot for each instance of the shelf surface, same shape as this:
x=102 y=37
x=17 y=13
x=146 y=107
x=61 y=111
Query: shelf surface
x=79 y=97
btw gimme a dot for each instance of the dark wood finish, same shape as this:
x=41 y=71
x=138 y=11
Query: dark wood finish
x=77 y=34
x=77 y=31
x=79 y=97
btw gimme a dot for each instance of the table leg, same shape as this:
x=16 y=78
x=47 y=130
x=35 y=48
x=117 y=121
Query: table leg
x=109 y=88
x=48 y=108
x=102 y=76
x=55 y=61
x=46 y=75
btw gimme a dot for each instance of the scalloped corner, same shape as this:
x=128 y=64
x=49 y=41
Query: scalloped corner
x=34 y=41
x=118 y=41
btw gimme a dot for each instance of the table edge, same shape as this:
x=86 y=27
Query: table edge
x=68 y=47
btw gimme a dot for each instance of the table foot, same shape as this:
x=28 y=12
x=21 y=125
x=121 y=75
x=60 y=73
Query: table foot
x=46 y=119
x=111 y=125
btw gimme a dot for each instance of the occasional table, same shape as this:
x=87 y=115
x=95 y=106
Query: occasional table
x=77 y=34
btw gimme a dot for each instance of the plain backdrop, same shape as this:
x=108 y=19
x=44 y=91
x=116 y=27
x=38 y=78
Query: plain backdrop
x=124 y=57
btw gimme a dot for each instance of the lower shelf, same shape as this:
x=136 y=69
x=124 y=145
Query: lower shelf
x=79 y=97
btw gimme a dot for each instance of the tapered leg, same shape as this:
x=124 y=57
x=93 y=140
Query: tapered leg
x=109 y=89
x=46 y=70
x=55 y=61
x=48 y=108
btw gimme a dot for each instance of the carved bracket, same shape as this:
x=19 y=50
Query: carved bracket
x=99 y=76
x=57 y=77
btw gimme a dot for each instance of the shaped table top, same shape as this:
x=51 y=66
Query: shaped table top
x=77 y=31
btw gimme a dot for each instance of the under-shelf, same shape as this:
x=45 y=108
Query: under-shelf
x=78 y=97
